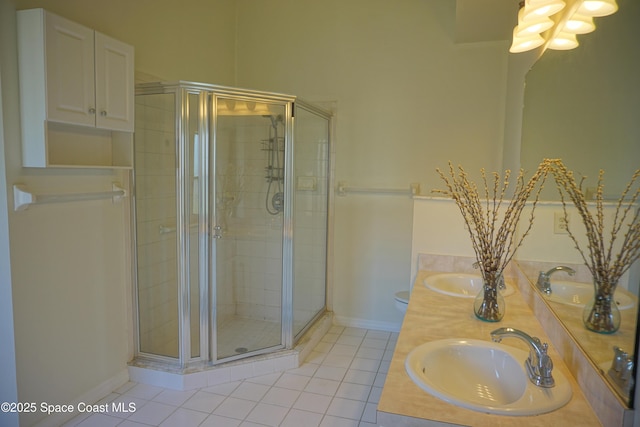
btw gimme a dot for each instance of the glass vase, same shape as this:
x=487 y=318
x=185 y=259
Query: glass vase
x=601 y=313
x=489 y=304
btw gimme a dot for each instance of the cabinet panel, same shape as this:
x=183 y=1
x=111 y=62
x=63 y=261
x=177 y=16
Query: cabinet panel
x=114 y=84
x=62 y=94
x=70 y=72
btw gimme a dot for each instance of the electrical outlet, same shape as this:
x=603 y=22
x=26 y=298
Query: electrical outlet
x=560 y=223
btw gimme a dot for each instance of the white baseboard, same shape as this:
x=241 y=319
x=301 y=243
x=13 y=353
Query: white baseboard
x=366 y=324
x=90 y=397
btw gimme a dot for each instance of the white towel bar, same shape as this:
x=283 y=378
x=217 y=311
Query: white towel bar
x=22 y=198
x=413 y=190
x=165 y=229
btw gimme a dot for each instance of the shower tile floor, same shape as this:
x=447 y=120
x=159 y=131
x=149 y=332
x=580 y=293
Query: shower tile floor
x=339 y=385
x=238 y=335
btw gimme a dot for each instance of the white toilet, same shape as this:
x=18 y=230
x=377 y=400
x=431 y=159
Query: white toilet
x=402 y=300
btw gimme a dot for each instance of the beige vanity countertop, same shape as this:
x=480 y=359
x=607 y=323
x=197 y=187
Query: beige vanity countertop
x=403 y=403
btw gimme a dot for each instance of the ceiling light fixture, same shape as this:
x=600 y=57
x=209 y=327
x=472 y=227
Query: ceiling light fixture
x=579 y=24
x=536 y=8
x=554 y=23
x=598 y=7
x=563 y=41
x=536 y=25
x=525 y=43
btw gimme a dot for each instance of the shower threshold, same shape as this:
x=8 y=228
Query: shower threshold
x=163 y=375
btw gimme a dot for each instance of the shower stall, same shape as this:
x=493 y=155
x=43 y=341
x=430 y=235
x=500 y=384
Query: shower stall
x=231 y=194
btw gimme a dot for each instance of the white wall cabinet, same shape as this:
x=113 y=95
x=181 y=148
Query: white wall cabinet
x=76 y=93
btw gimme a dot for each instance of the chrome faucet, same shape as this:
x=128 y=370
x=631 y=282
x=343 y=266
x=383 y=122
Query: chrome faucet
x=544 y=283
x=621 y=370
x=539 y=365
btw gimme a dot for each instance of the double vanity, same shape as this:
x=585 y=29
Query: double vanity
x=443 y=348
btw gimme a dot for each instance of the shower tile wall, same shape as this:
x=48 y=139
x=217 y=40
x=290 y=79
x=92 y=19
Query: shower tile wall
x=256 y=252
x=156 y=224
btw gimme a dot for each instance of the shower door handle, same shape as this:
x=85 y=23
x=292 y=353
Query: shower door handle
x=217 y=230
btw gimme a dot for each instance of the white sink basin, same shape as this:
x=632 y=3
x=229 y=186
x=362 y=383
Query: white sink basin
x=483 y=376
x=578 y=294
x=459 y=284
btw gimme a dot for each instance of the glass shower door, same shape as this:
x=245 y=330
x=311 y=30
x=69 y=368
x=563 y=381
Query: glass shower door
x=248 y=219
x=311 y=198
x=156 y=239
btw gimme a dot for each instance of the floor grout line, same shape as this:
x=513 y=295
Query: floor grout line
x=353 y=340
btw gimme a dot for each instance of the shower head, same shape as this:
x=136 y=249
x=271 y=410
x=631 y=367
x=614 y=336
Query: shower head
x=275 y=119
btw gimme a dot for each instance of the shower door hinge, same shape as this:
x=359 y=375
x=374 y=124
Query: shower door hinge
x=217 y=230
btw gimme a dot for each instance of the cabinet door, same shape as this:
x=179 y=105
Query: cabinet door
x=70 y=72
x=114 y=84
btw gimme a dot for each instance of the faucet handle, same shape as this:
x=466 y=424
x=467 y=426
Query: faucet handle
x=544 y=283
x=619 y=357
x=621 y=371
x=546 y=364
x=542 y=375
x=627 y=370
x=539 y=364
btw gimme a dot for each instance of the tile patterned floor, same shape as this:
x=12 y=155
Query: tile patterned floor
x=339 y=385
x=236 y=332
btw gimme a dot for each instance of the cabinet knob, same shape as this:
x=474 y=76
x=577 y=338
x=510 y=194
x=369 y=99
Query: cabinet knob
x=103 y=113
x=92 y=110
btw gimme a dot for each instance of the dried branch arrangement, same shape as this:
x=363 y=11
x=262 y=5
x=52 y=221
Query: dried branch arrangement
x=491 y=218
x=493 y=235
x=605 y=266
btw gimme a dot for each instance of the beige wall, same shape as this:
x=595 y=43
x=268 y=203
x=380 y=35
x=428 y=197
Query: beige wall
x=172 y=40
x=8 y=382
x=69 y=271
x=408 y=100
x=71 y=262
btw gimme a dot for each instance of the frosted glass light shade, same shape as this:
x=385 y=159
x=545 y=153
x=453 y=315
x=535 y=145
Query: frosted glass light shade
x=579 y=24
x=563 y=41
x=537 y=8
x=523 y=44
x=535 y=25
x=598 y=7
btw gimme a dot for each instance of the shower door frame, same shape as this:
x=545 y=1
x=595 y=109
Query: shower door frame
x=317 y=111
x=207 y=118
x=183 y=223
x=286 y=309
x=181 y=91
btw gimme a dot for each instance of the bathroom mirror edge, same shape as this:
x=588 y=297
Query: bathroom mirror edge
x=587 y=364
x=578 y=106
